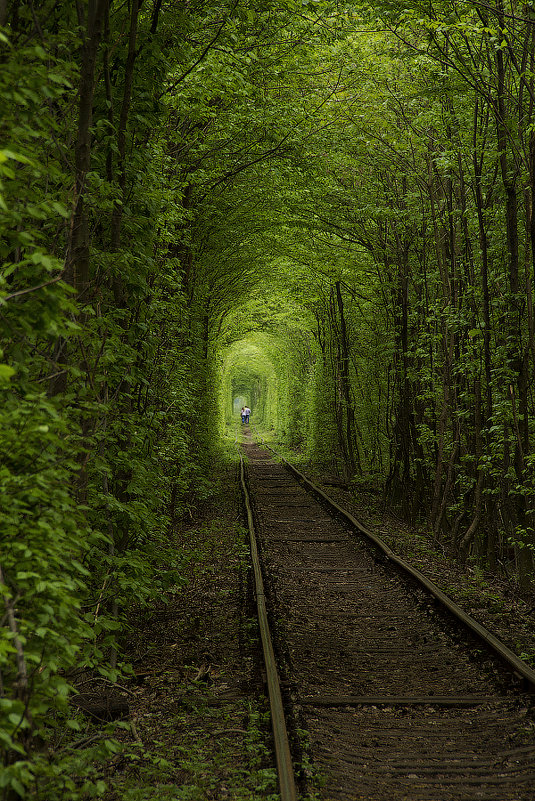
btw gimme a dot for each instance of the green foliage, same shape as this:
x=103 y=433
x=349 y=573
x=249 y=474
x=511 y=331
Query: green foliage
x=44 y=545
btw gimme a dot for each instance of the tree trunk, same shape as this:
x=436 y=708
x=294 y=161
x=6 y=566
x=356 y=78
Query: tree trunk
x=353 y=456
x=77 y=266
x=117 y=215
x=77 y=262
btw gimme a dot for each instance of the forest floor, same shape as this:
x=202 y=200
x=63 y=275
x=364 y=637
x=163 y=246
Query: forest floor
x=200 y=720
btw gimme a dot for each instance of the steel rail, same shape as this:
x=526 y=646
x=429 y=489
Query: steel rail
x=508 y=657
x=278 y=722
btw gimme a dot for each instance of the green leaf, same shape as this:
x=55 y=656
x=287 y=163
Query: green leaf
x=6 y=372
x=10 y=154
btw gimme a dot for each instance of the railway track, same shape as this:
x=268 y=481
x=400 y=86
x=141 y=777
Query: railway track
x=400 y=700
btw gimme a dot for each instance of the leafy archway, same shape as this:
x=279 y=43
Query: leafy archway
x=254 y=373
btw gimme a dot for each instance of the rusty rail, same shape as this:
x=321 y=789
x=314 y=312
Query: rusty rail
x=280 y=734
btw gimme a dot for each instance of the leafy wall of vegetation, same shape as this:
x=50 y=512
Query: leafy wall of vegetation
x=329 y=207
x=434 y=183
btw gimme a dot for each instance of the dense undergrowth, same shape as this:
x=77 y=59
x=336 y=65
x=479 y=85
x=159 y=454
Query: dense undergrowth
x=199 y=725
x=192 y=721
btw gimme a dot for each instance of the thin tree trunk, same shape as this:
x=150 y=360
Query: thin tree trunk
x=77 y=263
x=353 y=455
x=117 y=214
x=77 y=267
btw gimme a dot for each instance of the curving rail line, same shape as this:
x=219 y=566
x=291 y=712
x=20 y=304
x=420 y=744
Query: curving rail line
x=347 y=578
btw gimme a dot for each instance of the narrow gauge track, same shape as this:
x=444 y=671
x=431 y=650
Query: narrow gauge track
x=398 y=702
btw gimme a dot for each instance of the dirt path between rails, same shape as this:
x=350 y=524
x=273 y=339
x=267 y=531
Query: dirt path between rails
x=396 y=703
x=495 y=602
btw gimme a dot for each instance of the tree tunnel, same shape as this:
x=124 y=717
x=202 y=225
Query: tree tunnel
x=325 y=212
x=253 y=374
